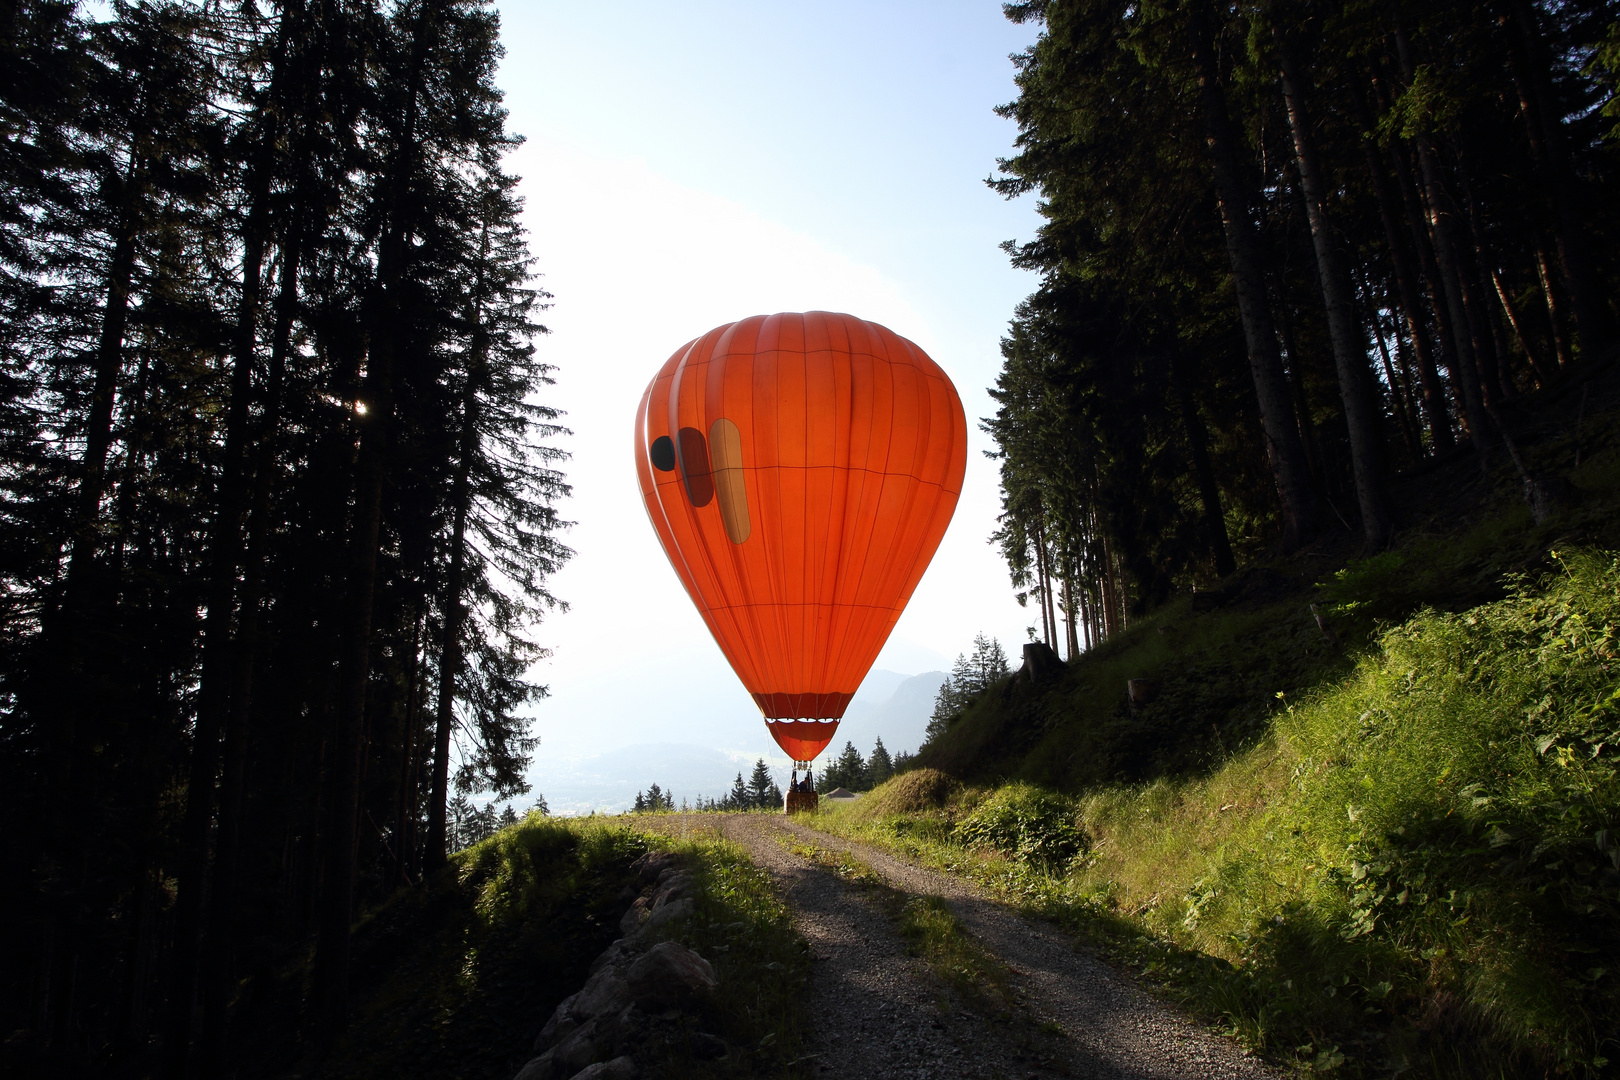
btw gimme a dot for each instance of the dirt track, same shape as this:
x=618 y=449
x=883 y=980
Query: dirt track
x=887 y=1016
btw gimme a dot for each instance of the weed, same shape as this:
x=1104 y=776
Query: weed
x=741 y=926
x=1419 y=853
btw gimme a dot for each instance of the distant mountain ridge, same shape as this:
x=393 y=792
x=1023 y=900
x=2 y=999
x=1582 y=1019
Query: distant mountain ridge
x=888 y=704
x=900 y=717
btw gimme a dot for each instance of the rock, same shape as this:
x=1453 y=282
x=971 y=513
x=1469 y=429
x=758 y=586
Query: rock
x=617 y=954
x=706 y=1047
x=572 y=1054
x=672 y=887
x=626 y=1032
x=650 y=865
x=668 y=913
x=620 y=1068
x=635 y=916
x=606 y=993
x=537 y=1069
x=559 y=1027
x=670 y=975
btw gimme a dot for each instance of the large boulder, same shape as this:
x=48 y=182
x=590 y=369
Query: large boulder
x=566 y=1058
x=559 y=1027
x=669 y=976
x=618 y=954
x=650 y=865
x=605 y=994
x=665 y=914
x=672 y=885
x=620 y=1068
x=635 y=916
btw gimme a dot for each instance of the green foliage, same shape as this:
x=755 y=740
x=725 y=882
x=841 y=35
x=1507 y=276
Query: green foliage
x=654 y=800
x=970 y=676
x=763 y=791
x=879 y=767
x=1414 y=868
x=741 y=925
x=454 y=978
x=847 y=770
x=1027 y=823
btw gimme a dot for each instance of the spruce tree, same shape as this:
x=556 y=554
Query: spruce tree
x=762 y=790
x=878 y=766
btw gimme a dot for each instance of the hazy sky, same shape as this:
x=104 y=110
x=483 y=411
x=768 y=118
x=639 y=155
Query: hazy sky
x=688 y=165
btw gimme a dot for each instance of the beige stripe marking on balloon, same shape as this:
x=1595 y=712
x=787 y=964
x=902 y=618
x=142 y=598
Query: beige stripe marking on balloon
x=726 y=461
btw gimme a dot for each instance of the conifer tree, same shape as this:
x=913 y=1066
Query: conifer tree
x=878 y=766
x=762 y=790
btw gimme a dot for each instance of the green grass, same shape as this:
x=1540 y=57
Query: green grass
x=741 y=926
x=932 y=932
x=1415 y=866
x=454 y=979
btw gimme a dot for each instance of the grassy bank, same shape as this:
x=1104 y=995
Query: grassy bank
x=1413 y=866
x=455 y=978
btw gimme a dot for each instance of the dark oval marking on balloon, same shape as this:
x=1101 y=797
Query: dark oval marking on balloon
x=662 y=453
x=694 y=455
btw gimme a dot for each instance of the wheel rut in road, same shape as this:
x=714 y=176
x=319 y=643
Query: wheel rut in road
x=879 y=1012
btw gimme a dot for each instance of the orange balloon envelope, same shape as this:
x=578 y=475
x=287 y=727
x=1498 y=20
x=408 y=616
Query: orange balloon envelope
x=800 y=470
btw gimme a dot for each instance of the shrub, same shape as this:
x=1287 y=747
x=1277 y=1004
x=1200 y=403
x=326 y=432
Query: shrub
x=1030 y=824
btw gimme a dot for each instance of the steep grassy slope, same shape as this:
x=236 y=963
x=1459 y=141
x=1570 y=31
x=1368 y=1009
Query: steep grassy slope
x=1392 y=849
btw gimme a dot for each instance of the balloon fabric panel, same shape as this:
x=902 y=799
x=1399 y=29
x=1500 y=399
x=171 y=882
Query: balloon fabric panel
x=800 y=471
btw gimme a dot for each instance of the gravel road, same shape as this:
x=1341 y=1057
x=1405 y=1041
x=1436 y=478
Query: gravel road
x=886 y=1016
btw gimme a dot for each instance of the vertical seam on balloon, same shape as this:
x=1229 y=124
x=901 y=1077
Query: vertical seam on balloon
x=824 y=619
x=851 y=604
x=903 y=594
x=914 y=572
x=776 y=572
x=909 y=496
x=673 y=550
x=801 y=677
x=761 y=666
x=728 y=611
x=873 y=350
x=841 y=485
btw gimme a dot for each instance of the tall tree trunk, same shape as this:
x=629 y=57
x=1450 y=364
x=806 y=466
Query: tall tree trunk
x=410 y=743
x=224 y=559
x=64 y=694
x=1361 y=412
x=1435 y=414
x=1283 y=447
x=1496 y=382
x=1543 y=375
x=1209 y=490
x=222 y=903
x=1071 y=615
x=1443 y=230
x=1528 y=61
x=1397 y=389
x=1555 y=323
x=1299 y=404
x=450 y=643
x=344 y=776
x=1045 y=580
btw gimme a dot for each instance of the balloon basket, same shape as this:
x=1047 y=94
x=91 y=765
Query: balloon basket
x=800 y=802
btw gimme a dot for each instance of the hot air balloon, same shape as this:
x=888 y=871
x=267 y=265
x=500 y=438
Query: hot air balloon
x=800 y=471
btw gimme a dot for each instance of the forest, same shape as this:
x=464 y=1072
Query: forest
x=1290 y=250
x=278 y=498
x=280 y=489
